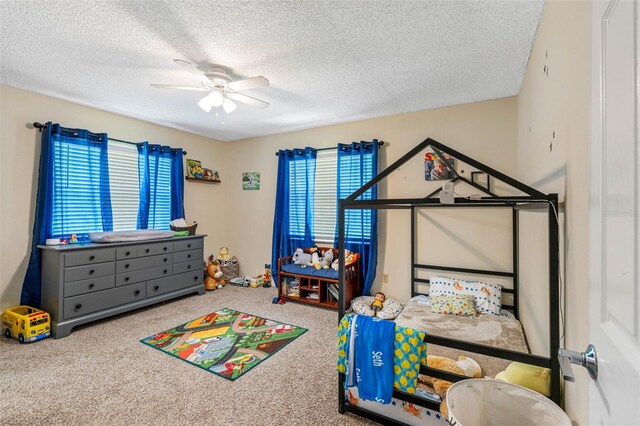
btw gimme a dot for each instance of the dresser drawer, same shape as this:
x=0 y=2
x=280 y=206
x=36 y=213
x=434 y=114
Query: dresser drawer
x=187 y=256
x=88 y=286
x=78 y=273
x=190 y=244
x=93 y=302
x=126 y=252
x=147 y=250
x=143 y=263
x=179 y=268
x=162 y=248
x=176 y=282
x=89 y=257
x=143 y=275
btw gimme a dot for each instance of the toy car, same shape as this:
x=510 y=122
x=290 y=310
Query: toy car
x=26 y=324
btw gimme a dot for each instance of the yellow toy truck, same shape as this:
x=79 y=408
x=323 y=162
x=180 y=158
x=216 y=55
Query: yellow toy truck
x=26 y=324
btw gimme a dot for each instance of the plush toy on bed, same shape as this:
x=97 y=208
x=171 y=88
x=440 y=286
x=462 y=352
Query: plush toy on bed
x=378 y=300
x=464 y=367
x=530 y=376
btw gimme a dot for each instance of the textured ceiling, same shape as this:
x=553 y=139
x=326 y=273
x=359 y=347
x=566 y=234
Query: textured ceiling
x=328 y=61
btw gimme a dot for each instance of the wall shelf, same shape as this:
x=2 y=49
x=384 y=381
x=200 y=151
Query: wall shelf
x=193 y=179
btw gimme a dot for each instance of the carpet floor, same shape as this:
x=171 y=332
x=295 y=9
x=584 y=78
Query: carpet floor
x=101 y=374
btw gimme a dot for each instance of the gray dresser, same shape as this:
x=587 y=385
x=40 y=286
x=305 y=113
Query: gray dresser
x=86 y=282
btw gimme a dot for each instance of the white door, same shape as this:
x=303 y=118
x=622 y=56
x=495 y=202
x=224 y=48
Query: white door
x=614 y=399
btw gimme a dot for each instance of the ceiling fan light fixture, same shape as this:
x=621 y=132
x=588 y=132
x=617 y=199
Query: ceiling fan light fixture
x=228 y=105
x=213 y=99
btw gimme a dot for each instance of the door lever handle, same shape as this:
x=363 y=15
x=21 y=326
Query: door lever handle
x=588 y=359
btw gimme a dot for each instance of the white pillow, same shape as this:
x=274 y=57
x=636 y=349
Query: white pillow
x=390 y=308
x=419 y=300
x=487 y=296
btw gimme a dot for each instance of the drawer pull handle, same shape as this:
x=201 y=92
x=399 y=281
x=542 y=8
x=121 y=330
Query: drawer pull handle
x=146 y=251
x=91 y=272
x=188 y=256
x=195 y=278
x=165 y=259
x=126 y=266
x=91 y=285
x=188 y=245
x=127 y=253
x=91 y=257
x=156 y=287
x=164 y=248
x=126 y=278
x=188 y=266
x=137 y=292
x=165 y=271
x=78 y=306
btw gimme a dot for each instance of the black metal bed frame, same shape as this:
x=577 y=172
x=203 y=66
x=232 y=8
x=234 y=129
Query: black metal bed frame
x=533 y=198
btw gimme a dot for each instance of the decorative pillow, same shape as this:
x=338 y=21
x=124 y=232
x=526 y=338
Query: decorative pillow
x=390 y=308
x=420 y=300
x=487 y=296
x=453 y=304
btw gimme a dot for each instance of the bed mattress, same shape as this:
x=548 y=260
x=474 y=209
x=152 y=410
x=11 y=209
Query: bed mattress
x=500 y=331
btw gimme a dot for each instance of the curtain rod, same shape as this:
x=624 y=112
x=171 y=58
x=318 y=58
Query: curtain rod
x=380 y=143
x=41 y=126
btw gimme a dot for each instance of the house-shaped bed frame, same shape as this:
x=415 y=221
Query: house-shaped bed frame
x=531 y=199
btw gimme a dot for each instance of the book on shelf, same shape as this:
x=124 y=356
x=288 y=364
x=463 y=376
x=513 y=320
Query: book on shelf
x=333 y=289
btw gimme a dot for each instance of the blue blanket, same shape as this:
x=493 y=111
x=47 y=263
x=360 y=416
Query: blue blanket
x=371 y=343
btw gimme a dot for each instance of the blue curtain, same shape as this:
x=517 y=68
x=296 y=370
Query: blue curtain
x=160 y=174
x=73 y=194
x=357 y=165
x=295 y=192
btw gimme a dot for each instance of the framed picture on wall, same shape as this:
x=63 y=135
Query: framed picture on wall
x=194 y=169
x=251 y=180
x=435 y=167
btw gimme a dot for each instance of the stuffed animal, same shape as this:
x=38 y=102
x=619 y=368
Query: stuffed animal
x=464 y=367
x=223 y=255
x=315 y=257
x=348 y=257
x=326 y=260
x=530 y=376
x=301 y=258
x=214 y=275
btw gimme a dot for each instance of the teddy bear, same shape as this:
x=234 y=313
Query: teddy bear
x=463 y=366
x=223 y=255
x=326 y=260
x=214 y=275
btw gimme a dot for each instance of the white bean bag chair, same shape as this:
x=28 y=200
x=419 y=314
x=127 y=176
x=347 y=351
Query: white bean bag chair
x=390 y=308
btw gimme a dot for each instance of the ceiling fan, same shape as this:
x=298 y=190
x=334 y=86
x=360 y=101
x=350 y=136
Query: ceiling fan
x=222 y=91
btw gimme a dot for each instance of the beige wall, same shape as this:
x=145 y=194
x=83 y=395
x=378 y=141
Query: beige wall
x=485 y=131
x=19 y=157
x=557 y=100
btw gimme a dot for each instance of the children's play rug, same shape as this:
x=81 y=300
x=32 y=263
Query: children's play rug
x=226 y=342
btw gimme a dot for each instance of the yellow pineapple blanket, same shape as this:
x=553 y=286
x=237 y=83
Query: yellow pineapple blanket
x=409 y=352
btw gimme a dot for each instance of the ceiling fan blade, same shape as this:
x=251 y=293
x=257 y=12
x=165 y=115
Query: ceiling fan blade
x=192 y=69
x=169 y=86
x=249 y=83
x=248 y=100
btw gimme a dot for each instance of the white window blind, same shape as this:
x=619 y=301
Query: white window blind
x=325 y=198
x=124 y=185
x=160 y=206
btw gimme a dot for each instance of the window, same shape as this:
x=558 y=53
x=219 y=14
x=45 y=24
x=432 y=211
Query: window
x=84 y=185
x=325 y=206
x=324 y=203
x=123 y=180
x=76 y=202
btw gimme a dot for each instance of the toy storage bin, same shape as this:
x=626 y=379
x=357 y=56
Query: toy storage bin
x=230 y=271
x=485 y=402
